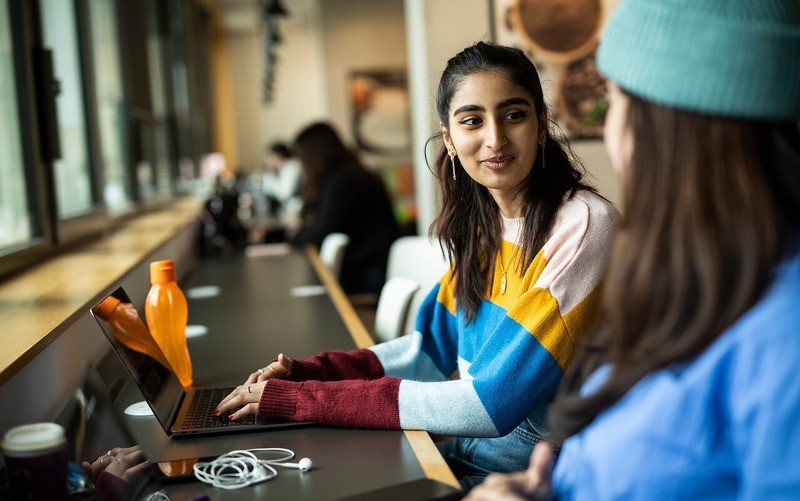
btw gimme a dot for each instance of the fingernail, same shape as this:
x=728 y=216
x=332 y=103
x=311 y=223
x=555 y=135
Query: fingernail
x=216 y=411
x=230 y=417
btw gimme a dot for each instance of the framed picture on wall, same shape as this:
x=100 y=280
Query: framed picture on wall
x=560 y=37
x=381 y=128
x=381 y=121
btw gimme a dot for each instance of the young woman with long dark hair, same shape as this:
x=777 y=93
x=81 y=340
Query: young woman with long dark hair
x=529 y=243
x=340 y=195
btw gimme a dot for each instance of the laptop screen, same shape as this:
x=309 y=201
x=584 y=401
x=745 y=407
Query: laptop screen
x=140 y=354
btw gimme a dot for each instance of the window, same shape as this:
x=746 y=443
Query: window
x=72 y=171
x=90 y=132
x=15 y=221
x=158 y=88
x=110 y=105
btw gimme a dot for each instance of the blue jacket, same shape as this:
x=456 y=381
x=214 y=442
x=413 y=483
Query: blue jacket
x=723 y=426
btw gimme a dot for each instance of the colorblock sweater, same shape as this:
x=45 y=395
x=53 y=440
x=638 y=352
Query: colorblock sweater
x=509 y=358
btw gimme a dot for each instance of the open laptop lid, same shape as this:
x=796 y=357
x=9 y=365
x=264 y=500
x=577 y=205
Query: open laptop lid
x=140 y=354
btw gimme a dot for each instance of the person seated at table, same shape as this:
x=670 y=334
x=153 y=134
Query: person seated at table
x=691 y=388
x=341 y=196
x=282 y=178
x=529 y=242
x=221 y=229
x=281 y=190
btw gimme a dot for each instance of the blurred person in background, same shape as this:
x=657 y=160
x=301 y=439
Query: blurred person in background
x=282 y=177
x=278 y=204
x=340 y=195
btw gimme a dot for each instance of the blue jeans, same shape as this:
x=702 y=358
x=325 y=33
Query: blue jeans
x=472 y=459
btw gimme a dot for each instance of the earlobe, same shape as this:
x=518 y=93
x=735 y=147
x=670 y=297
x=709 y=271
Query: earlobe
x=446 y=139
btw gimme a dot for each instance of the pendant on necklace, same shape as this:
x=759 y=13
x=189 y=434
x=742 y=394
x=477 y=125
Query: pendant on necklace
x=503 y=284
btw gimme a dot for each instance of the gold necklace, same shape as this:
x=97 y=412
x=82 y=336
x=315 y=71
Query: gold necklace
x=503 y=278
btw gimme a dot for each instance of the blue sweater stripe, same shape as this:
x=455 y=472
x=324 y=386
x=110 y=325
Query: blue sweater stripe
x=509 y=353
x=434 y=318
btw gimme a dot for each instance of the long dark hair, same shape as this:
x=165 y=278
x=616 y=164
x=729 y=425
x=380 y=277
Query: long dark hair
x=469 y=223
x=321 y=151
x=711 y=205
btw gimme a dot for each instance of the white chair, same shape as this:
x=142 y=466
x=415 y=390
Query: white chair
x=419 y=260
x=332 y=250
x=417 y=257
x=393 y=305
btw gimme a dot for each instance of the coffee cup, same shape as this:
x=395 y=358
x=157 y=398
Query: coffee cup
x=36 y=458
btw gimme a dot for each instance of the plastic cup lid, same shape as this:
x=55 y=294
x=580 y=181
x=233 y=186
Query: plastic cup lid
x=34 y=437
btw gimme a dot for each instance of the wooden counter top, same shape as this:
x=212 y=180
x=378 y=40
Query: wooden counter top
x=37 y=304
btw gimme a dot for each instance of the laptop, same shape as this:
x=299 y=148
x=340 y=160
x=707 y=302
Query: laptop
x=181 y=412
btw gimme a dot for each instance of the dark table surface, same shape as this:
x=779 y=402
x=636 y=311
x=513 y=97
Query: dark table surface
x=257 y=315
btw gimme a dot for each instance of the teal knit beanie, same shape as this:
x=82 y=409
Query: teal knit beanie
x=735 y=58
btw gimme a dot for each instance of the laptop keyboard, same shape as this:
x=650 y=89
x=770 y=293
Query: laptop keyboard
x=200 y=413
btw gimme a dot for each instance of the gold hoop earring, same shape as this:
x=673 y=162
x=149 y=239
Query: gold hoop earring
x=453 y=163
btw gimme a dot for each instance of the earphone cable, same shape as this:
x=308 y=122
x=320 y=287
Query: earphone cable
x=241 y=468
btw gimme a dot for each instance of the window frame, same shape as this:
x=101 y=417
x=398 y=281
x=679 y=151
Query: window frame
x=22 y=29
x=50 y=232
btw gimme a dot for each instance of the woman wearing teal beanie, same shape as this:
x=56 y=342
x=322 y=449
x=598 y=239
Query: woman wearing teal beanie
x=690 y=388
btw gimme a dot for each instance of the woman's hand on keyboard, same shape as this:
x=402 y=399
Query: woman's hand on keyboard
x=245 y=398
x=278 y=368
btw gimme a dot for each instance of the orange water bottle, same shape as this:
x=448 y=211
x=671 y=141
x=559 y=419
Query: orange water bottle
x=167 y=314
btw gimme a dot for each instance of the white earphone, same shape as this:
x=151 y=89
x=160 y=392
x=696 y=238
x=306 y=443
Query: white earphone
x=304 y=464
x=238 y=469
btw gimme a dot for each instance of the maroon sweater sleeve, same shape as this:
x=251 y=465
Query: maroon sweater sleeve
x=348 y=404
x=337 y=366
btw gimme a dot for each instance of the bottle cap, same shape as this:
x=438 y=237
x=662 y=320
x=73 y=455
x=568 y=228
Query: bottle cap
x=106 y=308
x=162 y=271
